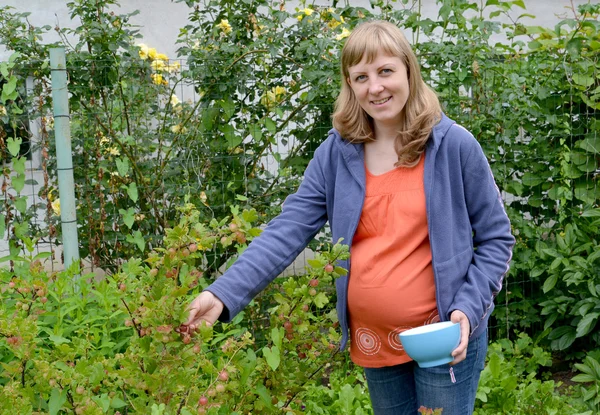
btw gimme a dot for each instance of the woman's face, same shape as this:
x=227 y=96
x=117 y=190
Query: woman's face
x=381 y=88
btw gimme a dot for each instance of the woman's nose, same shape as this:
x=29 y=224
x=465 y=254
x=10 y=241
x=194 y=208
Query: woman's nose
x=375 y=87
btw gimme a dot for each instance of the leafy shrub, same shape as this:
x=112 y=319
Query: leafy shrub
x=511 y=382
x=71 y=343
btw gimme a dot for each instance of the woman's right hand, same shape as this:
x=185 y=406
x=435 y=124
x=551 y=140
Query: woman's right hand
x=206 y=307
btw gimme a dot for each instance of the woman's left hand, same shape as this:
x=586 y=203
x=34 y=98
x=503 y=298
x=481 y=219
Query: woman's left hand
x=460 y=353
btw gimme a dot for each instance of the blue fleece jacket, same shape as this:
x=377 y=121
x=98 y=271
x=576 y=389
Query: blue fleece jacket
x=469 y=231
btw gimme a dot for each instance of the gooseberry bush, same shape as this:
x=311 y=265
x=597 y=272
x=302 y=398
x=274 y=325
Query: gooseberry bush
x=79 y=344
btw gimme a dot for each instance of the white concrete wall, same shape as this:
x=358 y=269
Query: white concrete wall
x=160 y=20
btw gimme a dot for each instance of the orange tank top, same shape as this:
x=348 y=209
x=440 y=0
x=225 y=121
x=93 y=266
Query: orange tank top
x=391 y=286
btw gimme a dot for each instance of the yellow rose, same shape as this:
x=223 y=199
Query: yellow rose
x=173 y=67
x=178 y=129
x=224 y=26
x=174 y=100
x=157 y=78
x=308 y=11
x=158 y=65
x=143 y=51
x=162 y=56
x=56 y=207
x=114 y=151
x=335 y=23
x=345 y=33
x=152 y=54
x=2 y=111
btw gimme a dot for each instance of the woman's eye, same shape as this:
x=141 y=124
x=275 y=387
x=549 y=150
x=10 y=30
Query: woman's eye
x=360 y=78
x=386 y=71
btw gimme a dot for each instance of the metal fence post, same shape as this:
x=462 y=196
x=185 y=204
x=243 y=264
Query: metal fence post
x=62 y=128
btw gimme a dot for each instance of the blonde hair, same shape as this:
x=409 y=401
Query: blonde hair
x=422 y=110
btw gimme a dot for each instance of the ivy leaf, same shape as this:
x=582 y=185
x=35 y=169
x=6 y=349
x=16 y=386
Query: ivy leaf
x=19 y=164
x=591 y=144
x=128 y=216
x=138 y=239
x=229 y=108
x=122 y=166
x=132 y=192
x=57 y=400
x=272 y=356
x=14 y=145
x=18 y=182
x=583 y=80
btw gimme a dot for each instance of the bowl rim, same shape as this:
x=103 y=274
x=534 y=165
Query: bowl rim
x=428 y=328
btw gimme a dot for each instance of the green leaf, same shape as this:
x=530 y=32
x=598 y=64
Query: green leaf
x=321 y=299
x=138 y=239
x=586 y=324
x=256 y=132
x=18 y=164
x=277 y=336
x=583 y=80
x=583 y=378
x=550 y=283
x=270 y=125
x=122 y=166
x=21 y=204
x=132 y=191
x=13 y=58
x=10 y=86
x=228 y=108
x=18 y=182
x=591 y=144
x=103 y=401
x=495 y=365
x=233 y=139
x=14 y=145
x=272 y=356
x=347 y=396
x=128 y=216
x=58 y=340
x=532 y=179
x=57 y=400
x=117 y=403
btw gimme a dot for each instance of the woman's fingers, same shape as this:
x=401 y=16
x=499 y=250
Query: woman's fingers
x=460 y=353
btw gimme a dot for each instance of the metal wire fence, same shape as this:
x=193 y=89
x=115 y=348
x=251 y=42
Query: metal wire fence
x=150 y=150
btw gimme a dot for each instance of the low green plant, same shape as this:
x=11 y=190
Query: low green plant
x=590 y=377
x=85 y=345
x=511 y=382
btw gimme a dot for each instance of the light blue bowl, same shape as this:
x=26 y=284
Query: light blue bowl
x=432 y=344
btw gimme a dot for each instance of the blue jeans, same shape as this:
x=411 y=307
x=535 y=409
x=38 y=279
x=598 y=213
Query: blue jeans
x=403 y=389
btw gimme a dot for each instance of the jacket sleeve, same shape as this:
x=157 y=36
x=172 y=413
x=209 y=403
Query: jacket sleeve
x=492 y=239
x=303 y=214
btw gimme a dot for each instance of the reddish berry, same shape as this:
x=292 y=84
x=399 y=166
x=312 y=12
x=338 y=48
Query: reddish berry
x=314 y=282
x=328 y=268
